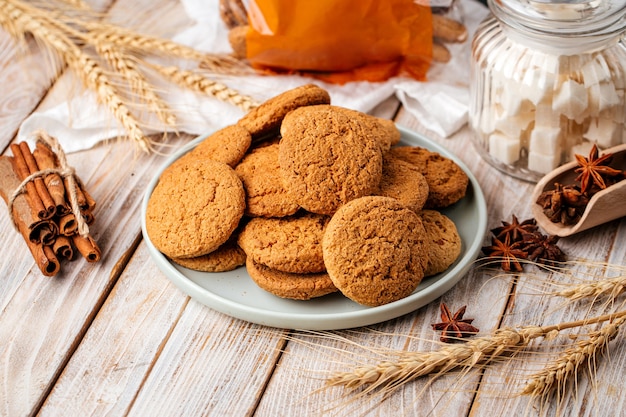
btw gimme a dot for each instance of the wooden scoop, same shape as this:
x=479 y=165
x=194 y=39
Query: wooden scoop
x=604 y=206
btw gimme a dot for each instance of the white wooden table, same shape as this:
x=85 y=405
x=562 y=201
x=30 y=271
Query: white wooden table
x=118 y=338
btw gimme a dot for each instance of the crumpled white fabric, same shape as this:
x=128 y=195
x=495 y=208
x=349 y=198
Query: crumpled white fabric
x=441 y=103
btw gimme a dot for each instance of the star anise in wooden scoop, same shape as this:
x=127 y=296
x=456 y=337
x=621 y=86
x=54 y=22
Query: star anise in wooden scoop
x=594 y=171
x=454 y=327
x=565 y=203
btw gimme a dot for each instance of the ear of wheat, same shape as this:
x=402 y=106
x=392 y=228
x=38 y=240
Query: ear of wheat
x=475 y=353
x=108 y=59
x=556 y=377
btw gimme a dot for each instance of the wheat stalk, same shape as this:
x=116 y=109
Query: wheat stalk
x=137 y=82
x=412 y=365
x=95 y=78
x=556 y=376
x=389 y=375
x=126 y=38
x=200 y=83
x=611 y=287
x=76 y=4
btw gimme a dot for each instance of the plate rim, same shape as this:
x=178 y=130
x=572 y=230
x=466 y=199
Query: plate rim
x=323 y=321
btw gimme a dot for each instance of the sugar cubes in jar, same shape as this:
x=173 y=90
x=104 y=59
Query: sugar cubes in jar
x=548 y=82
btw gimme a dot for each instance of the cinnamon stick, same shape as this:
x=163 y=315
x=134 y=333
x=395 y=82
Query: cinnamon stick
x=87 y=247
x=28 y=226
x=81 y=197
x=35 y=230
x=44 y=194
x=91 y=203
x=45 y=258
x=62 y=247
x=28 y=166
x=68 y=225
x=46 y=159
x=20 y=168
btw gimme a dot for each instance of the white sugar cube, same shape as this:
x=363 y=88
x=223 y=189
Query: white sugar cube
x=605 y=132
x=618 y=75
x=601 y=97
x=511 y=99
x=543 y=163
x=487 y=119
x=571 y=99
x=513 y=126
x=551 y=63
x=504 y=148
x=537 y=84
x=618 y=112
x=545 y=140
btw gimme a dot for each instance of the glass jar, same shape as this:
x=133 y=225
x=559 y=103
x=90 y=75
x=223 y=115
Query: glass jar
x=547 y=82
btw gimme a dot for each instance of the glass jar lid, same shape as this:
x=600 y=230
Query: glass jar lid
x=565 y=16
x=563 y=26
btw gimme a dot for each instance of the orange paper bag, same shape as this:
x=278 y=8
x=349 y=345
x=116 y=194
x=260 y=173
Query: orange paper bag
x=341 y=40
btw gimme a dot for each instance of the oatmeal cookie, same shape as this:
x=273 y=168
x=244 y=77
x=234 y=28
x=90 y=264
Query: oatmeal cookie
x=227 y=257
x=327 y=159
x=290 y=285
x=382 y=130
x=288 y=244
x=375 y=250
x=443 y=241
x=227 y=145
x=404 y=182
x=447 y=182
x=265 y=194
x=265 y=119
x=194 y=208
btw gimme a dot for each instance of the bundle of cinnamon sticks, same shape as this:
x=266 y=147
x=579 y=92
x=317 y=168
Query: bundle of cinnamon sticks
x=48 y=204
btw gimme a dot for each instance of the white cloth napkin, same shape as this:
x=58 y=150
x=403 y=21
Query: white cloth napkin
x=441 y=103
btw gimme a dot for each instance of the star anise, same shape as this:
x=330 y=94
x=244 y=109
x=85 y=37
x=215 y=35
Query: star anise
x=515 y=229
x=509 y=252
x=594 y=171
x=564 y=204
x=454 y=327
x=542 y=248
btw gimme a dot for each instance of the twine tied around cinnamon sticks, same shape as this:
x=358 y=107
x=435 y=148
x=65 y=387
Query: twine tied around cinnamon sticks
x=66 y=172
x=48 y=203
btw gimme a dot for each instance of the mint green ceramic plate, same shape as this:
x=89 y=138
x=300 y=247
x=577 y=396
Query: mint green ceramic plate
x=235 y=294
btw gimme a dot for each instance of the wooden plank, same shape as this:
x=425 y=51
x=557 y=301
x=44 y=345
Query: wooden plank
x=117 y=352
x=596 y=393
x=152 y=351
x=309 y=359
x=211 y=365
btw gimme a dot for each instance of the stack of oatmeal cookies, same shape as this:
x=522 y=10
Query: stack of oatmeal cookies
x=313 y=199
